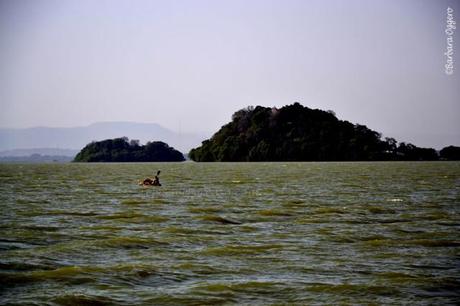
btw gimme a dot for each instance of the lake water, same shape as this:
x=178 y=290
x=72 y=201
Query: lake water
x=230 y=233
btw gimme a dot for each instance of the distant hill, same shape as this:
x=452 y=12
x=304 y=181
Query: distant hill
x=77 y=137
x=36 y=158
x=298 y=133
x=17 y=153
x=123 y=150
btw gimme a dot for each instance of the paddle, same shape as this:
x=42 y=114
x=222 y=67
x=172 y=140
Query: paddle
x=156 y=182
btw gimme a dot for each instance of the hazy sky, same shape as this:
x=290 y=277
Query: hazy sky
x=190 y=65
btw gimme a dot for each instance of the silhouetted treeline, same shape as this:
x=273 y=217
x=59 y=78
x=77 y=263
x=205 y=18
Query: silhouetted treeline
x=123 y=150
x=298 y=133
x=450 y=153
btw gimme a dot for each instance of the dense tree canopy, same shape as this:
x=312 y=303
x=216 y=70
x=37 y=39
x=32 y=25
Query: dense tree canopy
x=450 y=153
x=298 y=133
x=123 y=150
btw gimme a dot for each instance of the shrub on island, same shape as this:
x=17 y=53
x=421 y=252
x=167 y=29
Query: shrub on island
x=298 y=133
x=124 y=150
x=450 y=153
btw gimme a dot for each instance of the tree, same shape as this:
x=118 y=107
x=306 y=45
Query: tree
x=298 y=133
x=123 y=150
x=450 y=153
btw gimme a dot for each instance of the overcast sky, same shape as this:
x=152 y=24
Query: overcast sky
x=189 y=65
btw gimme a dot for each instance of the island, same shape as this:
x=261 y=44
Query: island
x=298 y=133
x=450 y=153
x=125 y=150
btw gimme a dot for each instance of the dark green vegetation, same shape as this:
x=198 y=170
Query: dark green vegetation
x=298 y=133
x=450 y=153
x=123 y=150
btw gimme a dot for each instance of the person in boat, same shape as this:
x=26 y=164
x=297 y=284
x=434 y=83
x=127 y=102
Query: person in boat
x=156 y=180
x=152 y=182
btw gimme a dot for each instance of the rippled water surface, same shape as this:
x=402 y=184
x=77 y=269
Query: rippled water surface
x=230 y=233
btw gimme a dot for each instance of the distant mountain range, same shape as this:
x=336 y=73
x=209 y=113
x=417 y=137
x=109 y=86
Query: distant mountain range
x=40 y=151
x=68 y=141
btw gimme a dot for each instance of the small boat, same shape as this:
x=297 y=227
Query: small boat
x=151 y=182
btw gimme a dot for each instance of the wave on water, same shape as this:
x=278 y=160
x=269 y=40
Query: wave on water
x=219 y=219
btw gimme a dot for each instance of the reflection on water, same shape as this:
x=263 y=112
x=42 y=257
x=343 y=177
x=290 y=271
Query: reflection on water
x=242 y=233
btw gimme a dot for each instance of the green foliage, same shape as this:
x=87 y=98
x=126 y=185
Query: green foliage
x=123 y=150
x=450 y=153
x=411 y=152
x=298 y=133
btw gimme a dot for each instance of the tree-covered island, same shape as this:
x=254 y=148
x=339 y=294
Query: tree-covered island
x=298 y=133
x=124 y=150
